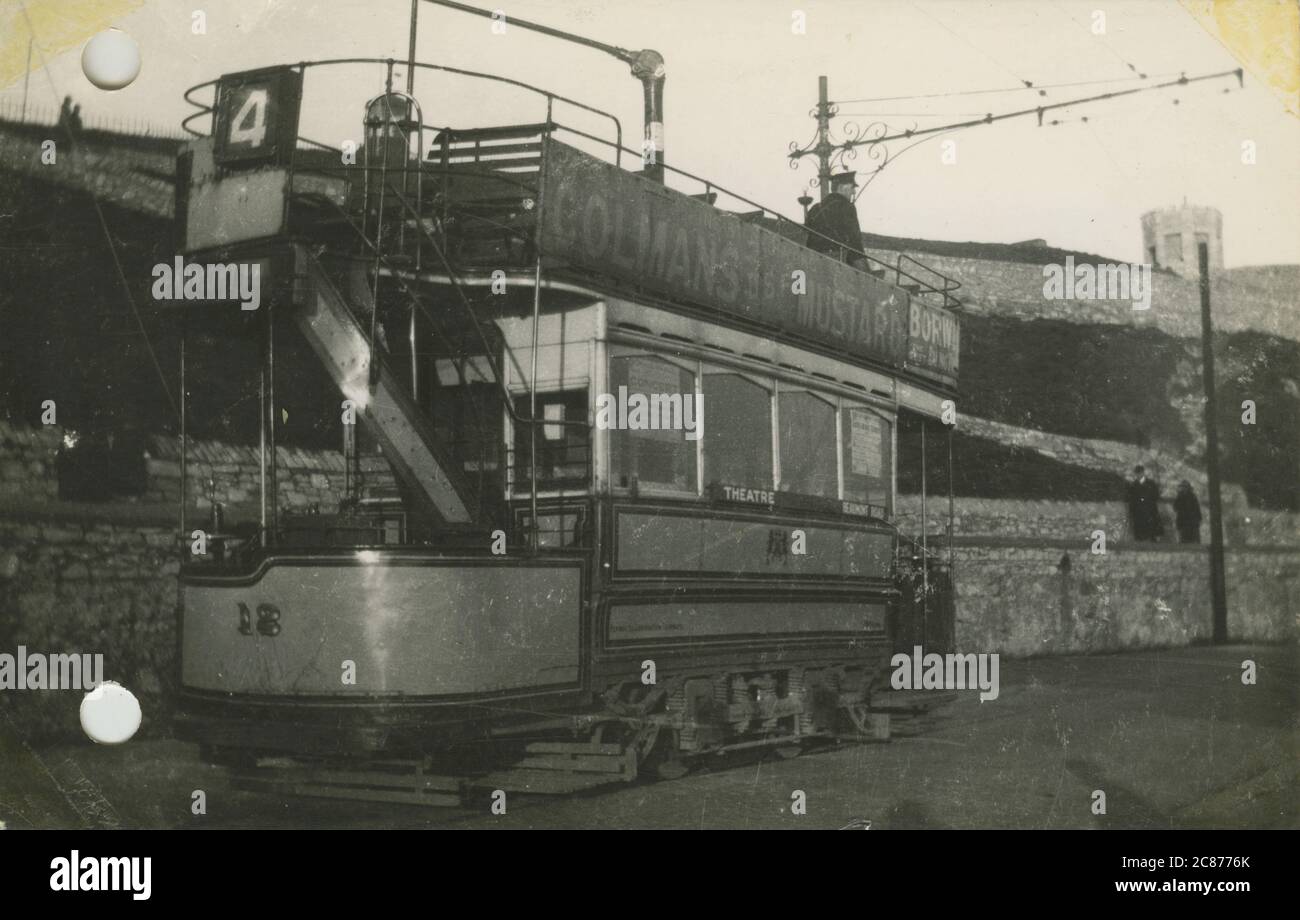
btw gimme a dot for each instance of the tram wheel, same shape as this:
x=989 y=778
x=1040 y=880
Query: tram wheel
x=675 y=768
x=665 y=760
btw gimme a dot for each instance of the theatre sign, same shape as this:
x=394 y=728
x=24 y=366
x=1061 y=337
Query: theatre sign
x=606 y=220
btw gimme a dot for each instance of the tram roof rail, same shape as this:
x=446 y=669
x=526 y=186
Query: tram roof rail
x=390 y=63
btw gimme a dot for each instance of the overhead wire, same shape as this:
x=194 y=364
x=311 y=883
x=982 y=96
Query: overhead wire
x=1104 y=42
x=1035 y=110
x=1003 y=89
x=1027 y=83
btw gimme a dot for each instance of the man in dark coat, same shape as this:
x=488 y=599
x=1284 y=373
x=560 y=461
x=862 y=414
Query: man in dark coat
x=1187 y=514
x=1144 y=506
x=837 y=219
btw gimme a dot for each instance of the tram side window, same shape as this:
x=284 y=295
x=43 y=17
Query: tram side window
x=737 y=430
x=808 y=445
x=563 y=451
x=657 y=458
x=467 y=417
x=868 y=464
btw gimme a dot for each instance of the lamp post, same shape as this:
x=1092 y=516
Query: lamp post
x=1218 y=586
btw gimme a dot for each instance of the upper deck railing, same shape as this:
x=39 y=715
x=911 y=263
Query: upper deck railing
x=905 y=272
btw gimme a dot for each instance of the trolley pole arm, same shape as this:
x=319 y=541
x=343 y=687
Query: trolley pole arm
x=621 y=53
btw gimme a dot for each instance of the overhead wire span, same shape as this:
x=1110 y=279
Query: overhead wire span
x=1105 y=44
x=1028 y=84
x=1037 y=110
x=1001 y=89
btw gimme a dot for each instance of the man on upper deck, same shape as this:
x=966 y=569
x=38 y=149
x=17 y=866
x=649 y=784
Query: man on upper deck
x=836 y=220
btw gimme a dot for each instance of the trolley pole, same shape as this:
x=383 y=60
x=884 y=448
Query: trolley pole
x=1218 y=587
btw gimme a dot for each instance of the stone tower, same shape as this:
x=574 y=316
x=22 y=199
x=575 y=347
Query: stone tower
x=1170 y=237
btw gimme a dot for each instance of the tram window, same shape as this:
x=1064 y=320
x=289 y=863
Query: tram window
x=657 y=458
x=563 y=451
x=808 y=445
x=868 y=466
x=468 y=418
x=737 y=430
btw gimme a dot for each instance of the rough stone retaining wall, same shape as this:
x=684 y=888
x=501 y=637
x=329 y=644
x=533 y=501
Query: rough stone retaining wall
x=75 y=582
x=230 y=474
x=1024 y=599
x=1014 y=288
x=996 y=517
x=90 y=577
x=1017 y=595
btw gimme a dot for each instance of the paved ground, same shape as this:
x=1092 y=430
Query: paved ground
x=1173 y=739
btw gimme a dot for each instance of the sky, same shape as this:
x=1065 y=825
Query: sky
x=742 y=79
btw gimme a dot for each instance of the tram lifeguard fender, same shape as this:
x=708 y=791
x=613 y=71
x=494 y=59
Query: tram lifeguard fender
x=601 y=218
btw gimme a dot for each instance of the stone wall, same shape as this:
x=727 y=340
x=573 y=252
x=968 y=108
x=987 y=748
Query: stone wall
x=982 y=517
x=100 y=577
x=1279 y=282
x=133 y=171
x=85 y=579
x=1075 y=521
x=27 y=462
x=231 y=475
x=1024 y=599
x=1016 y=594
x=1015 y=289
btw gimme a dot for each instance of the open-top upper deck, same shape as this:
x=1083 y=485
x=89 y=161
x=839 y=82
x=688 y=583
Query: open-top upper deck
x=492 y=199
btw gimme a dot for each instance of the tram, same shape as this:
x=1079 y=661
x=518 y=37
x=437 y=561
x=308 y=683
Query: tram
x=545 y=595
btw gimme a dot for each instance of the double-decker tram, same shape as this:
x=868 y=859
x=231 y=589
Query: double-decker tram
x=620 y=461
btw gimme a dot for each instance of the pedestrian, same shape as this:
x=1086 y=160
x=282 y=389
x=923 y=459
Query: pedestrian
x=66 y=124
x=1144 y=507
x=1187 y=514
x=833 y=223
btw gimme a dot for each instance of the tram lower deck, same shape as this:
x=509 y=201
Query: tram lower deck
x=721 y=584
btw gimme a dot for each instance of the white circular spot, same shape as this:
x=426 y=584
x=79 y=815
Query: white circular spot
x=111 y=60
x=110 y=714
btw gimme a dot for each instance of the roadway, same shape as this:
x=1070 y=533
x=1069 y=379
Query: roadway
x=1173 y=738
